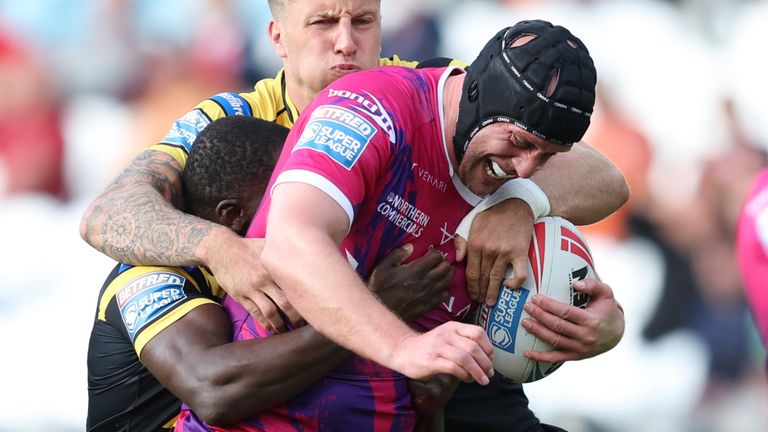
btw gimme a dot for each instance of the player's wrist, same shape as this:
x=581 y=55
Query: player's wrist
x=209 y=247
x=522 y=189
x=396 y=357
x=525 y=190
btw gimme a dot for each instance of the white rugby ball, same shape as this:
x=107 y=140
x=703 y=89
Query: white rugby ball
x=558 y=256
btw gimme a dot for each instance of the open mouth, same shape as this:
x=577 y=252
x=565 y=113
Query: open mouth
x=494 y=171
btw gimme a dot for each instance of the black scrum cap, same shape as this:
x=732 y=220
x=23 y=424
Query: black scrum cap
x=509 y=84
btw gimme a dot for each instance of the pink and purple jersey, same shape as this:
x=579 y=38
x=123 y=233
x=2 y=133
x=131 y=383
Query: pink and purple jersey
x=752 y=250
x=373 y=141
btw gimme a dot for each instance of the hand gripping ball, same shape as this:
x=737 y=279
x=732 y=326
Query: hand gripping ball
x=558 y=257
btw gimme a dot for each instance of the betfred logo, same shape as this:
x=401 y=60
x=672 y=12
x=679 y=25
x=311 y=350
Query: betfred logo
x=149 y=297
x=337 y=132
x=145 y=282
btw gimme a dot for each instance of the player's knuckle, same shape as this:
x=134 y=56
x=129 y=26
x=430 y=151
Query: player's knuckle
x=282 y=302
x=591 y=339
x=557 y=341
x=493 y=249
x=558 y=326
x=255 y=311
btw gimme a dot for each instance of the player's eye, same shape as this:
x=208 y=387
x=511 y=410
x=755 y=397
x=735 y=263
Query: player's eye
x=322 y=21
x=363 y=20
x=519 y=143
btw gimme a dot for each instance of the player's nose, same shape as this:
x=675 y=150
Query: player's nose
x=345 y=39
x=526 y=165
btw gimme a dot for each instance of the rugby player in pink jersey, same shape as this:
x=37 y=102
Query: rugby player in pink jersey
x=752 y=252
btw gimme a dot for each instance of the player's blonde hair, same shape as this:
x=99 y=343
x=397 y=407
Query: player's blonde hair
x=278 y=6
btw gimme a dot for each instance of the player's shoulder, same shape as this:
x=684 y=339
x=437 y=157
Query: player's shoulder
x=395 y=60
x=440 y=62
x=267 y=100
x=179 y=140
x=432 y=62
x=271 y=102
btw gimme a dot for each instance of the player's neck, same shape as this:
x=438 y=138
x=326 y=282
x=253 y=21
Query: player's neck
x=299 y=95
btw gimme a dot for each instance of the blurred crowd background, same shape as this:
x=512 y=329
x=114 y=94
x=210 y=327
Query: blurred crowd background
x=682 y=110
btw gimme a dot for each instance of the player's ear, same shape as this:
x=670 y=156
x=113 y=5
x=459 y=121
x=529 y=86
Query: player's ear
x=231 y=214
x=275 y=32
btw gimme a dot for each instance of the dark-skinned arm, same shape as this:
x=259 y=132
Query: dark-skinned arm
x=136 y=220
x=429 y=397
x=225 y=382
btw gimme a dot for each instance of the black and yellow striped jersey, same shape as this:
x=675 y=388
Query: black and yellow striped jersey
x=135 y=304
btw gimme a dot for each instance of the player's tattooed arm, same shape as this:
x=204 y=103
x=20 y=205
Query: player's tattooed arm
x=136 y=221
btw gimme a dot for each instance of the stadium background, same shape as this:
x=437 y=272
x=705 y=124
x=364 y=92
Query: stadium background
x=86 y=84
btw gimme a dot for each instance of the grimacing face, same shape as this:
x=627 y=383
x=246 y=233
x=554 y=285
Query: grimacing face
x=323 y=40
x=500 y=152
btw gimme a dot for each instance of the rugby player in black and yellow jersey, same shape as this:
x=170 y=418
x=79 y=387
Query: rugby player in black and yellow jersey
x=136 y=219
x=147 y=314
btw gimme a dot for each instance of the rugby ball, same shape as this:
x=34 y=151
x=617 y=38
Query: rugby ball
x=558 y=256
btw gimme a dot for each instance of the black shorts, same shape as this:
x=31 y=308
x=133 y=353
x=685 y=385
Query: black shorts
x=501 y=406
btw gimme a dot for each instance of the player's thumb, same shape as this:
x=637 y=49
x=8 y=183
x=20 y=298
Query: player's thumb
x=460 y=244
x=399 y=255
x=592 y=287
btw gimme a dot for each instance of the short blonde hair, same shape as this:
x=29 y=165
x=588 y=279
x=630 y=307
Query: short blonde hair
x=278 y=6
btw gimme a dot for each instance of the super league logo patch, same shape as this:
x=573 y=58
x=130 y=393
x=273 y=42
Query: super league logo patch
x=186 y=129
x=337 y=132
x=148 y=297
x=505 y=317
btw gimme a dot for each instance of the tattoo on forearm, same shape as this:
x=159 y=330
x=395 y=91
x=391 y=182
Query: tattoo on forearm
x=135 y=221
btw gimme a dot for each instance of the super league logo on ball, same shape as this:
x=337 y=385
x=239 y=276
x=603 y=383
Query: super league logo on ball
x=500 y=336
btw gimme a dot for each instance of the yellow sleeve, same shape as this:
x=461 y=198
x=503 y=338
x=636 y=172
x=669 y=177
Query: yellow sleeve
x=267 y=101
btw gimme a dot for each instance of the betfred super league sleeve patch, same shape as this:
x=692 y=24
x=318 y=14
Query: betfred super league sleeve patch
x=339 y=133
x=148 y=297
x=186 y=129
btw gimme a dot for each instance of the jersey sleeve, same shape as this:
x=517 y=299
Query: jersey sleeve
x=440 y=62
x=180 y=139
x=341 y=145
x=143 y=301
